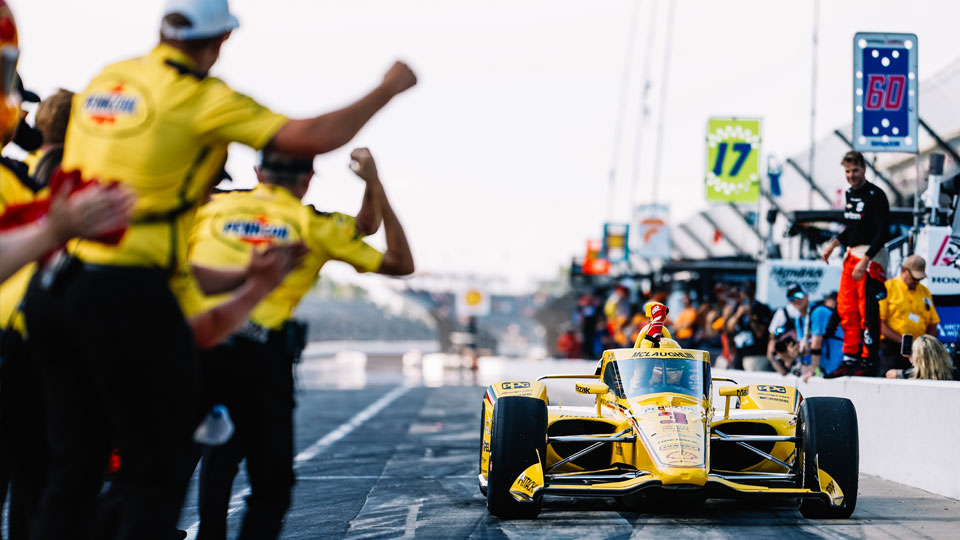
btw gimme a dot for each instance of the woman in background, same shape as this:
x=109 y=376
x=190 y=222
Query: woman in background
x=930 y=361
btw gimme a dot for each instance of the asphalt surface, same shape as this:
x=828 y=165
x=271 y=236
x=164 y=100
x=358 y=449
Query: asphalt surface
x=385 y=457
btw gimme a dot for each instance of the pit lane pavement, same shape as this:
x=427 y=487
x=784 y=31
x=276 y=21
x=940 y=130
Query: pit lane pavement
x=384 y=456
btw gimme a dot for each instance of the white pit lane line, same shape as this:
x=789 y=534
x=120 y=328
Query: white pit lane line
x=312 y=451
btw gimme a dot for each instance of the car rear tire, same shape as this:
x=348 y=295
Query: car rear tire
x=830 y=439
x=483 y=418
x=518 y=434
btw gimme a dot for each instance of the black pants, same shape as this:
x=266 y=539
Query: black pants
x=22 y=430
x=119 y=371
x=4 y=480
x=890 y=358
x=255 y=382
x=875 y=291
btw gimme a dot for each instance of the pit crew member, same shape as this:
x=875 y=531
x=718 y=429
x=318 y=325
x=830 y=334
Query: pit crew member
x=866 y=218
x=160 y=125
x=907 y=309
x=252 y=374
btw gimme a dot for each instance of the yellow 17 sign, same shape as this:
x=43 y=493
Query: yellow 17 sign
x=733 y=160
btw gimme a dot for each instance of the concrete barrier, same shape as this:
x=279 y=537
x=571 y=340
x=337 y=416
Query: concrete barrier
x=909 y=429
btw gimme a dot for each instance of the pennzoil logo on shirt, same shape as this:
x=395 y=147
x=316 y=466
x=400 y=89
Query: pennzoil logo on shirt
x=256 y=231
x=116 y=107
x=104 y=108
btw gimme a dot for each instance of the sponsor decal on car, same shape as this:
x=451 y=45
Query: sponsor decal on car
x=664 y=354
x=530 y=481
x=829 y=486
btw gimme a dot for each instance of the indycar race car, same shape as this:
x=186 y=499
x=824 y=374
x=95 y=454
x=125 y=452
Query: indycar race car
x=655 y=432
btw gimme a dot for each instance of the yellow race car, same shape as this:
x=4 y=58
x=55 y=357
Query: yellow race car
x=656 y=432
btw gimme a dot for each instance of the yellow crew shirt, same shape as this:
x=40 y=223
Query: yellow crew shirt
x=14 y=191
x=906 y=311
x=232 y=224
x=158 y=127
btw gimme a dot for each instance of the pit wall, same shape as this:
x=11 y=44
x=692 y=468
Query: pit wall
x=909 y=429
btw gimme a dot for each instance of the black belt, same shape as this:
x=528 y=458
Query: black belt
x=252 y=331
x=63 y=264
x=292 y=335
x=117 y=269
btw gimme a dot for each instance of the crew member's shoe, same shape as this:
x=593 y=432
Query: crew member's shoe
x=851 y=367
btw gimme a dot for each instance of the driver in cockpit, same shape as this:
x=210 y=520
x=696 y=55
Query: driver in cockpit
x=663 y=375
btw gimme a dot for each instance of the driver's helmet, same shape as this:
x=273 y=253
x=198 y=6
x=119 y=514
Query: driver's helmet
x=9 y=56
x=674 y=373
x=668 y=343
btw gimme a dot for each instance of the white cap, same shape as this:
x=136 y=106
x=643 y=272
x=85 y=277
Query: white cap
x=208 y=18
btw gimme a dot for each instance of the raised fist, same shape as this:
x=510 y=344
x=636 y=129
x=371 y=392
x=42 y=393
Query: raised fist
x=363 y=164
x=399 y=78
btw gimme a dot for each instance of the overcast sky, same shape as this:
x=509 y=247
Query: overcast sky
x=499 y=161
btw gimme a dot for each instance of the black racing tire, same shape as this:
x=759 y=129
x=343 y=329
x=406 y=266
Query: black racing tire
x=483 y=414
x=518 y=434
x=830 y=439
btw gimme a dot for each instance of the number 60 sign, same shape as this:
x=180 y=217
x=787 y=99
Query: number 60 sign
x=885 y=92
x=733 y=160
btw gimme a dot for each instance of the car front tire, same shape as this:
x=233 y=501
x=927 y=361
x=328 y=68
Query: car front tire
x=518 y=435
x=831 y=442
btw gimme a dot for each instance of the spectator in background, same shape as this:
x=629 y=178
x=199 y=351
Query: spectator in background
x=568 y=344
x=738 y=325
x=632 y=332
x=786 y=348
x=617 y=306
x=826 y=338
x=586 y=315
x=685 y=324
x=752 y=341
x=793 y=317
x=866 y=218
x=620 y=330
x=907 y=310
x=707 y=336
x=603 y=339
x=53 y=114
x=929 y=360
x=729 y=304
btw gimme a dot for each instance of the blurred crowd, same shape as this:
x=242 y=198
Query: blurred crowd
x=804 y=337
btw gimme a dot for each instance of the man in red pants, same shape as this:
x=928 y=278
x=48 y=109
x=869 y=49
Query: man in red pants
x=866 y=217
